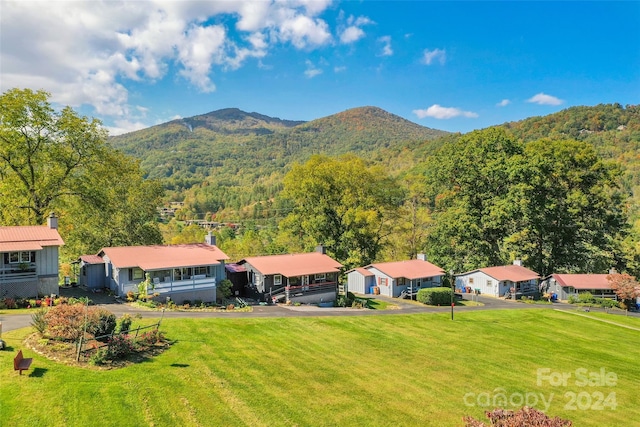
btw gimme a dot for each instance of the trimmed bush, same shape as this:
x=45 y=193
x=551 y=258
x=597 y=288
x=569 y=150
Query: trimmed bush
x=435 y=296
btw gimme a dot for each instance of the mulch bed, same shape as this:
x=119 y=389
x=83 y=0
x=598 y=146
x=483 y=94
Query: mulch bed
x=65 y=353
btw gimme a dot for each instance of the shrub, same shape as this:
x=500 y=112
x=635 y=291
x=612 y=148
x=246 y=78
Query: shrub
x=99 y=357
x=151 y=337
x=435 y=296
x=119 y=346
x=10 y=303
x=101 y=322
x=606 y=302
x=521 y=418
x=38 y=320
x=223 y=289
x=67 y=322
x=586 y=298
x=125 y=323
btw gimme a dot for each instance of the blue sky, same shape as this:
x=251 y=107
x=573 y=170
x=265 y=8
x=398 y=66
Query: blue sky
x=455 y=66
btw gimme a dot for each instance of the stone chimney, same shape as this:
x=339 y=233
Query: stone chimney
x=210 y=239
x=422 y=257
x=321 y=249
x=52 y=221
x=517 y=262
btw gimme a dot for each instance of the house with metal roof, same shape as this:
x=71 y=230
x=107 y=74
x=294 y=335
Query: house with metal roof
x=396 y=278
x=500 y=281
x=563 y=286
x=306 y=278
x=180 y=272
x=29 y=260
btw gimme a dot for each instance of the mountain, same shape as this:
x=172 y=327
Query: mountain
x=230 y=158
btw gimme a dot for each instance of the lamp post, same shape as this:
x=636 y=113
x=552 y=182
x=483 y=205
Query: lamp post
x=453 y=288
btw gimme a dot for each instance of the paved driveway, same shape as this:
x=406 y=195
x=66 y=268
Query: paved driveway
x=11 y=321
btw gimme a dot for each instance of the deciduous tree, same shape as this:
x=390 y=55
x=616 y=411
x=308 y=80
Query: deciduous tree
x=342 y=203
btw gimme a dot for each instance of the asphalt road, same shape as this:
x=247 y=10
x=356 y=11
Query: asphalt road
x=17 y=321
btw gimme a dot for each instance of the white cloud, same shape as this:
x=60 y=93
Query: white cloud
x=311 y=70
x=352 y=31
x=86 y=53
x=544 y=99
x=503 y=103
x=438 y=112
x=339 y=69
x=125 y=126
x=351 y=34
x=386 y=46
x=429 y=56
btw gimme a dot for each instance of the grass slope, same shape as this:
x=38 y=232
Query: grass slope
x=392 y=370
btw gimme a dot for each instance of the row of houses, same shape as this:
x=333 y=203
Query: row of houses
x=29 y=266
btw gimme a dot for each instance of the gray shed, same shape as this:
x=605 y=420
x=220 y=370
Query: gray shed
x=360 y=281
x=92 y=272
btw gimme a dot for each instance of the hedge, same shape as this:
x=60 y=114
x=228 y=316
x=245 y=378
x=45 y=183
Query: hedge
x=435 y=296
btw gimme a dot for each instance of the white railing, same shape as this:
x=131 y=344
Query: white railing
x=197 y=283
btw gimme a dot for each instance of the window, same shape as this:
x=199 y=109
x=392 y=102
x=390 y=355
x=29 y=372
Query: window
x=277 y=280
x=20 y=257
x=321 y=277
x=199 y=271
x=383 y=281
x=136 y=273
x=471 y=280
x=489 y=283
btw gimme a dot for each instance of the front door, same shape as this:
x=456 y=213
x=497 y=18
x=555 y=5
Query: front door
x=305 y=283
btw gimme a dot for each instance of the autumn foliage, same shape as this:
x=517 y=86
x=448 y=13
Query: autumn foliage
x=525 y=417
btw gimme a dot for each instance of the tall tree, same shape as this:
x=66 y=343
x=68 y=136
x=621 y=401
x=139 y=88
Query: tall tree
x=44 y=155
x=59 y=161
x=342 y=203
x=468 y=183
x=568 y=211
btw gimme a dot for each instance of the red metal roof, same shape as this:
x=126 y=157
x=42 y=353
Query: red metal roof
x=583 y=281
x=410 y=269
x=28 y=238
x=160 y=257
x=92 y=259
x=512 y=273
x=293 y=265
x=364 y=271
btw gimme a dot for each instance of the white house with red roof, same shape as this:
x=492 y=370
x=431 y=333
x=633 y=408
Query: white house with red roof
x=181 y=272
x=29 y=260
x=306 y=278
x=566 y=285
x=500 y=281
x=395 y=279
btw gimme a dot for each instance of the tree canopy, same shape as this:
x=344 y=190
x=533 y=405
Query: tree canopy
x=555 y=204
x=342 y=203
x=60 y=161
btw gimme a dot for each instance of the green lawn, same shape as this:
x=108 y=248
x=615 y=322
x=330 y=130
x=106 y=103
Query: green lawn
x=388 y=370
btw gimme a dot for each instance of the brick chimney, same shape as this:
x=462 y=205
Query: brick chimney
x=52 y=221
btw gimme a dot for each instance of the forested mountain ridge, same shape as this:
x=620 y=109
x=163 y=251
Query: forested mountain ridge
x=233 y=159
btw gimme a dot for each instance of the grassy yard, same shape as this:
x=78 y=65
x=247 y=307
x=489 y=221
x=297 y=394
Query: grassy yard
x=388 y=370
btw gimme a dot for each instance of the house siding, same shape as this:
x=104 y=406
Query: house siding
x=485 y=283
x=360 y=284
x=395 y=286
x=91 y=276
x=47 y=262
